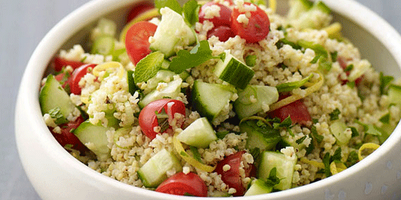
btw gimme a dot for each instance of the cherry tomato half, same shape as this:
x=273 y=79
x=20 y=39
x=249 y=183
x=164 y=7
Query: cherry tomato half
x=232 y=176
x=59 y=63
x=222 y=32
x=138 y=9
x=63 y=78
x=224 y=17
x=77 y=75
x=297 y=111
x=66 y=137
x=257 y=27
x=148 y=119
x=137 y=40
x=183 y=184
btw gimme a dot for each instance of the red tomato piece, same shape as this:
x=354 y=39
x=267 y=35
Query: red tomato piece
x=63 y=78
x=232 y=176
x=256 y=29
x=77 y=75
x=183 y=184
x=222 y=32
x=148 y=120
x=66 y=137
x=59 y=63
x=224 y=17
x=297 y=111
x=343 y=65
x=138 y=9
x=136 y=41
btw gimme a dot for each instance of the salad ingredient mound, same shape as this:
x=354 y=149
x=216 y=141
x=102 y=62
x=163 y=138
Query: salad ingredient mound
x=219 y=98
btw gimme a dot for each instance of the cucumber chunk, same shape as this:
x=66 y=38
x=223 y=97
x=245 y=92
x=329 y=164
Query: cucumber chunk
x=210 y=99
x=171 y=34
x=199 y=134
x=394 y=94
x=103 y=45
x=94 y=137
x=338 y=129
x=233 y=71
x=253 y=99
x=172 y=90
x=54 y=100
x=283 y=164
x=153 y=172
x=258 y=186
x=260 y=136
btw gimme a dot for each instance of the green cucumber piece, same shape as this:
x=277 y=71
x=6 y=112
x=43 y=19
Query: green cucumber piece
x=297 y=7
x=210 y=99
x=132 y=87
x=338 y=128
x=172 y=33
x=103 y=45
x=94 y=137
x=258 y=186
x=54 y=100
x=394 y=94
x=198 y=134
x=233 y=71
x=259 y=135
x=172 y=90
x=104 y=27
x=263 y=96
x=283 y=164
x=153 y=172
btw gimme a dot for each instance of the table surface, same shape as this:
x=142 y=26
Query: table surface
x=23 y=23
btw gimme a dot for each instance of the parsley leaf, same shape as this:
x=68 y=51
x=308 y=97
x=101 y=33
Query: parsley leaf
x=273 y=179
x=187 y=59
x=172 y=4
x=384 y=83
x=191 y=9
x=319 y=138
x=148 y=67
x=56 y=114
x=385 y=119
x=335 y=114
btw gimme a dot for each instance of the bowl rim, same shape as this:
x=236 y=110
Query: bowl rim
x=355 y=12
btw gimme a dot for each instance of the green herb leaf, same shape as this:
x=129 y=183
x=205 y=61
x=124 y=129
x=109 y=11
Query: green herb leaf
x=250 y=60
x=300 y=140
x=354 y=132
x=286 y=87
x=191 y=10
x=187 y=59
x=173 y=4
x=384 y=83
x=326 y=162
x=335 y=114
x=385 y=118
x=148 y=67
x=273 y=179
x=352 y=158
x=56 y=114
x=319 y=138
x=337 y=155
x=196 y=153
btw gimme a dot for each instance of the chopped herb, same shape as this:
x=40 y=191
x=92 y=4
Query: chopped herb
x=250 y=60
x=385 y=118
x=173 y=4
x=196 y=153
x=148 y=67
x=334 y=56
x=349 y=68
x=355 y=132
x=326 y=162
x=300 y=140
x=273 y=179
x=337 y=155
x=352 y=159
x=191 y=9
x=284 y=41
x=351 y=84
x=384 y=83
x=335 y=114
x=319 y=138
x=56 y=114
x=222 y=134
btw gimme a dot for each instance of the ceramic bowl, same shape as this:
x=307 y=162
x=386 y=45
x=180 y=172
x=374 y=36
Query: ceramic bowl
x=55 y=174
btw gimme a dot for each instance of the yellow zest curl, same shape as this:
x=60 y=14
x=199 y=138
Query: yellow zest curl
x=317 y=164
x=189 y=159
x=337 y=167
x=109 y=65
x=366 y=146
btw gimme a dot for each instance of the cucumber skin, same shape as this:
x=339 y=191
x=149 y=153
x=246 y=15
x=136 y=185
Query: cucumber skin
x=94 y=137
x=258 y=186
x=259 y=137
x=269 y=160
x=233 y=71
x=52 y=95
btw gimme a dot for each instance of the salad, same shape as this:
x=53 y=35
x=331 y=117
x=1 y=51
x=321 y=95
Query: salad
x=219 y=98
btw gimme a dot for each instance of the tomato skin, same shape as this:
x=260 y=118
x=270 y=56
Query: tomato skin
x=148 y=119
x=136 y=40
x=297 y=111
x=59 y=63
x=223 y=20
x=182 y=184
x=232 y=176
x=61 y=78
x=257 y=28
x=138 y=9
x=77 y=75
x=222 y=32
x=66 y=137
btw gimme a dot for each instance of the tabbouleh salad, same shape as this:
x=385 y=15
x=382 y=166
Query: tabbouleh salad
x=219 y=98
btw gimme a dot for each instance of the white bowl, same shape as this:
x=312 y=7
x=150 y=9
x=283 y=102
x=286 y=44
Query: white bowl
x=55 y=174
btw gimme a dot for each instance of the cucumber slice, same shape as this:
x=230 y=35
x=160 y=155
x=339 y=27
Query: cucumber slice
x=259 y=136
x=54 y=100
x=199 y=134
x=210 y=99
x=94 y=137
x=172 y=90
x=283 y=164
x=104 y=27
x=262 y=95
x=233 y=71
x=161 y=76
x=103 y=45
x=338 y=128
x=171 y=34
x=258 y=186
x=297 y=7
x=394 y=94
x=153 y=172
